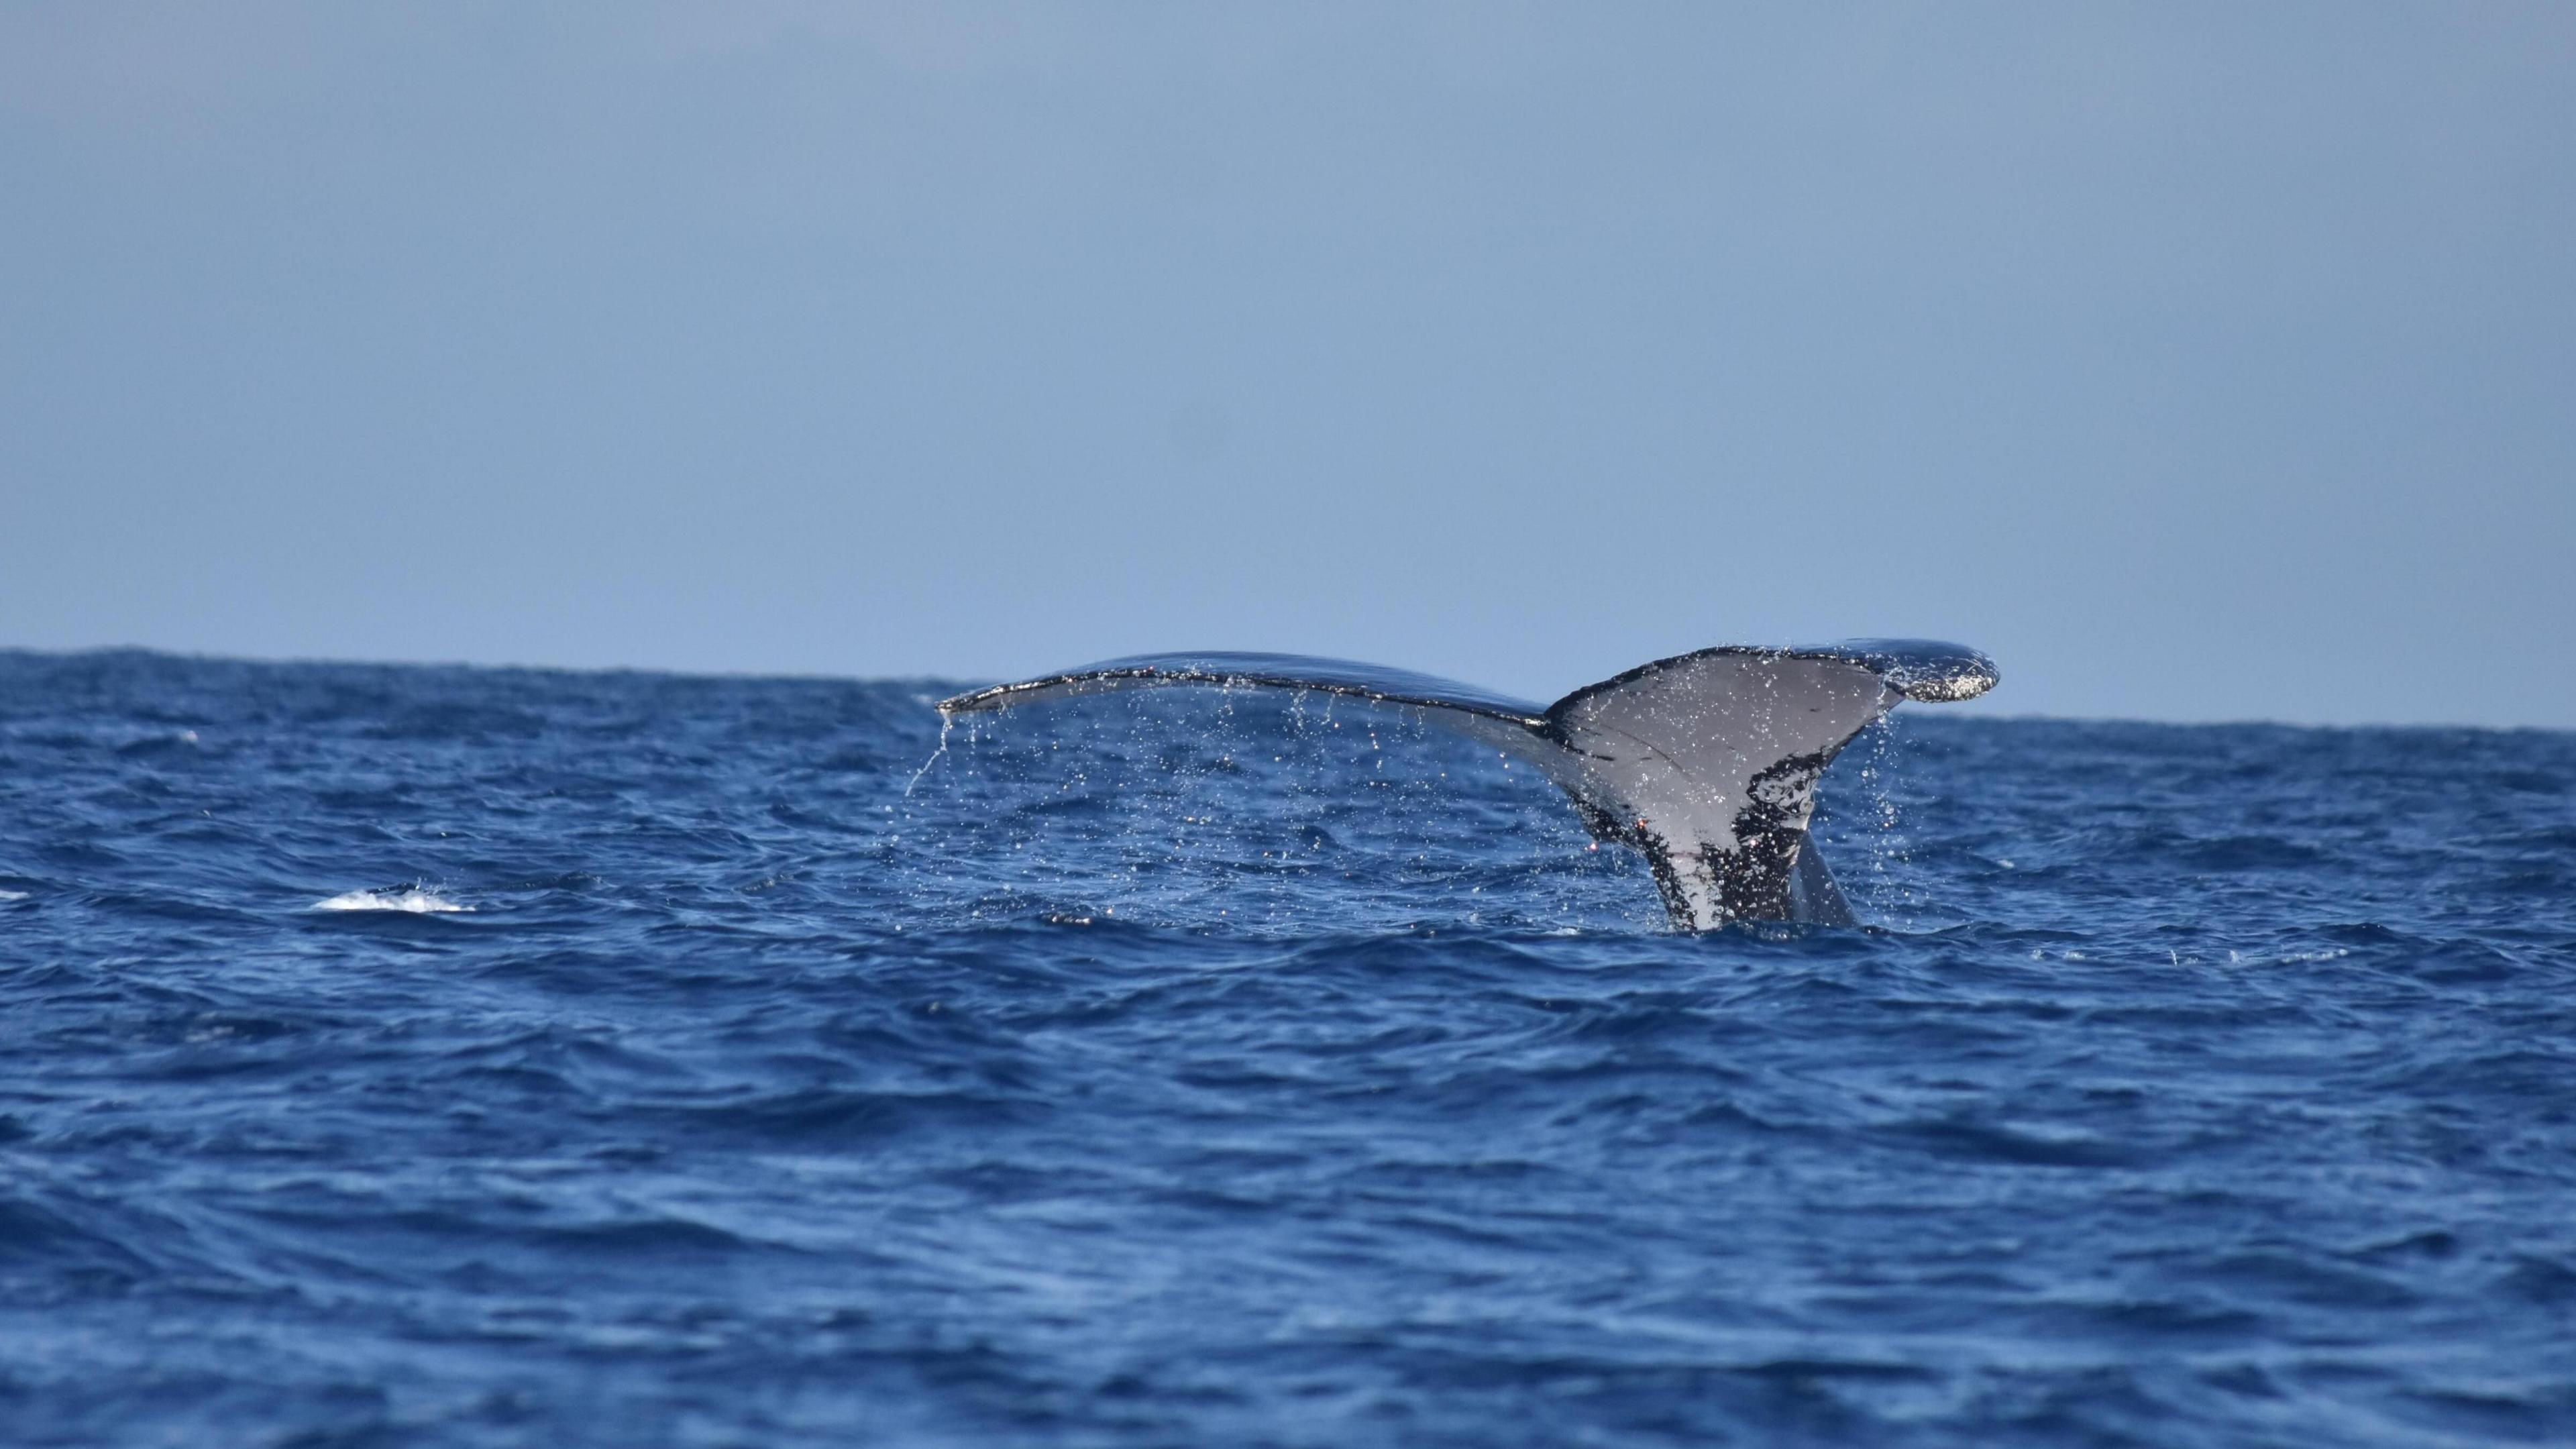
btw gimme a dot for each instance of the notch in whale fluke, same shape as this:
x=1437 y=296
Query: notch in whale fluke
x=1705 y=762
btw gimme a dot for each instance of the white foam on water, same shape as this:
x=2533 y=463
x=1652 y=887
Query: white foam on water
x=13 y=895
x=392 y=898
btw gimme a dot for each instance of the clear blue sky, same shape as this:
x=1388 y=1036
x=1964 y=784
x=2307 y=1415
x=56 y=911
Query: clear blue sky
x=2197 y=361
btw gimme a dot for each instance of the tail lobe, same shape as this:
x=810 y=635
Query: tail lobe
x=1705 y=762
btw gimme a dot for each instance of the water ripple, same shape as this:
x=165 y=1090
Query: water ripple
x=428 y=1056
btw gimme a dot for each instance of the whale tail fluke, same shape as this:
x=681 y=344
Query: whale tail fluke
x=1705 y=762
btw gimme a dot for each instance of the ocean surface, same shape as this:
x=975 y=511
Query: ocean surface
x=396 y=1055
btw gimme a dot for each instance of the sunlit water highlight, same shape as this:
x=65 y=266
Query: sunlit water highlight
x=428 y=1056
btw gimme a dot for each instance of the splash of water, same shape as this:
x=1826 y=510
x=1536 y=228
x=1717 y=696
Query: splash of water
x=947 y=722
x=410 y=897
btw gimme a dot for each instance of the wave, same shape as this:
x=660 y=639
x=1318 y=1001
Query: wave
x=410 y=897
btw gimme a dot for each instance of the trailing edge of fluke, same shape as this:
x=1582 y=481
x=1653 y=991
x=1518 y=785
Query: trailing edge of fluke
x=1705 y=762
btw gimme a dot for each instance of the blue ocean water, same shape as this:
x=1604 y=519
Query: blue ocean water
x=444 y=1056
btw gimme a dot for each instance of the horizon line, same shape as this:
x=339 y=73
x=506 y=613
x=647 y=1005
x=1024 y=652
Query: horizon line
x=1970 y=710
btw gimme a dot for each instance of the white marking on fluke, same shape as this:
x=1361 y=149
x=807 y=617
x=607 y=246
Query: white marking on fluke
x=1705 y=762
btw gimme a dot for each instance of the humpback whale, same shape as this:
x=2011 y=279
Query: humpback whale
x=1706 y=762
